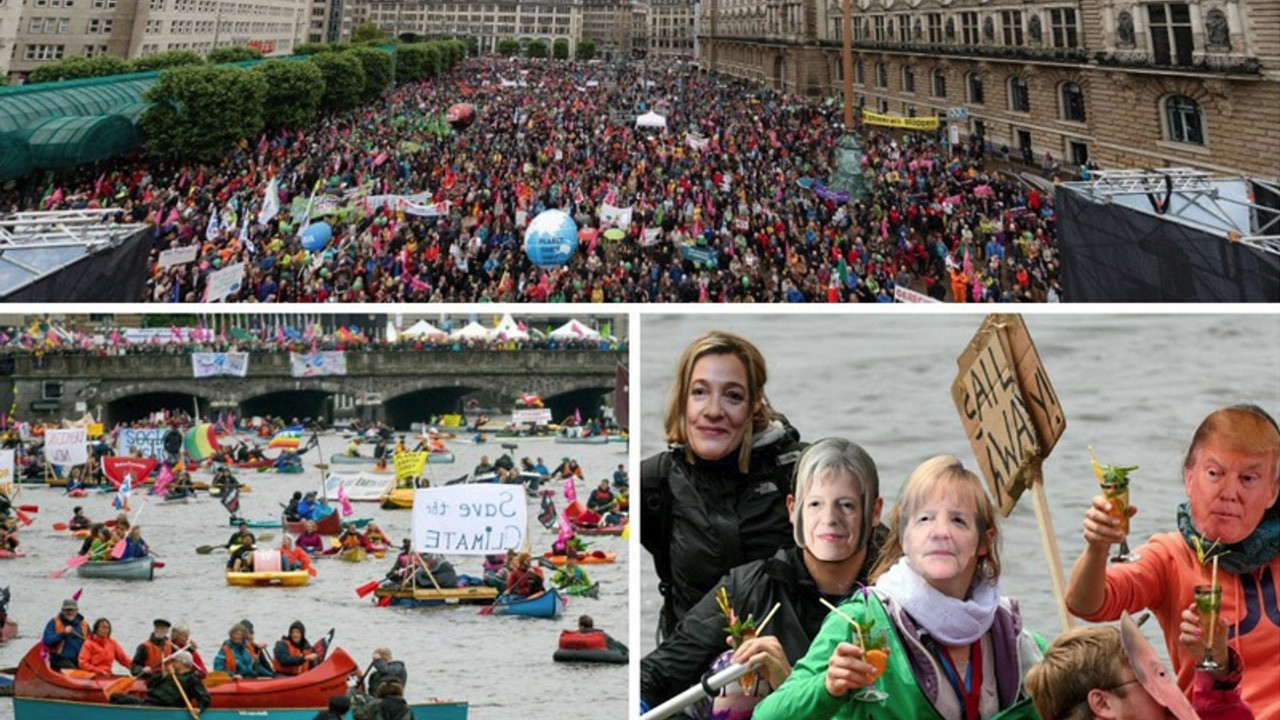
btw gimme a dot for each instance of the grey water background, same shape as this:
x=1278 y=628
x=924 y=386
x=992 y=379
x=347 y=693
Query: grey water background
x=1133 y=386
x=501 y=665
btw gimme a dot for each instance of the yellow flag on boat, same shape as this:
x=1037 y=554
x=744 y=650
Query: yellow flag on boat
x=626 y=531
x=410 y=464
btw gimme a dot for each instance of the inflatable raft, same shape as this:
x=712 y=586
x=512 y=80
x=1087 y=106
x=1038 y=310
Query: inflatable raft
x=594 y=646
x=266 y=571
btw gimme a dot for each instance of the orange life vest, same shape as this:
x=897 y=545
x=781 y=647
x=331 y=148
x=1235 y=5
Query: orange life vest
x=156 y=655
x=229 y=658
x=298 y=669
x=60 y=626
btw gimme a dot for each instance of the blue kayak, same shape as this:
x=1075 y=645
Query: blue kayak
x=547 y=604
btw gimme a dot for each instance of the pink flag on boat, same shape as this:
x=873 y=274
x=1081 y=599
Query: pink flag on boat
x=570 y=492
x=344 y=501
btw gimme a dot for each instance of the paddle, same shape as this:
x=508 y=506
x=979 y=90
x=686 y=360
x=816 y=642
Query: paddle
x=206 y=549
x=61 y=526
x=385 y=600
x=121 y=685
x=183 y=691
x=366 y=589
x=74 y=562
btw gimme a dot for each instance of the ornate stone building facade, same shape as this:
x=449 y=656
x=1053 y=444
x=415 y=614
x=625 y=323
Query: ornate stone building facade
x=38 y=31
x=1124 y=83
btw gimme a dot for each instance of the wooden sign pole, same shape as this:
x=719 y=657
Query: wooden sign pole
x=1049 y=542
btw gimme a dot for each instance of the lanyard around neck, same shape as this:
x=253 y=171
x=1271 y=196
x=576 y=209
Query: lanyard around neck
x=970 y=692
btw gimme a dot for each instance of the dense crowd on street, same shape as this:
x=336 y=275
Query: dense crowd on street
x=726 y=186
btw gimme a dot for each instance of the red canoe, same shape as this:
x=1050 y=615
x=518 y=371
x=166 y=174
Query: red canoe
x=330 y=524
x=312 y=689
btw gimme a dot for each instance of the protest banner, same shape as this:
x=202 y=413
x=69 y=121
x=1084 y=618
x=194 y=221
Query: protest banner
x=360 y=487
x=1013 y=419
x=220 y=363
x=473 y=519
x=177 y=256
x=148 y=442
x=897 y=121
x=66 y=447
x=537 y=416
x=332 y=362
x=410 y=464
x=6 y=470
x=224 y=282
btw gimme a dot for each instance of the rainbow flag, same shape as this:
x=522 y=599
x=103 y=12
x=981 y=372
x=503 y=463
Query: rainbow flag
x=288 y=439
x=200 y=442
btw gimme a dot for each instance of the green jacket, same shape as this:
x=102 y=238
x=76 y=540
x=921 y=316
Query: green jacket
x=804 y=695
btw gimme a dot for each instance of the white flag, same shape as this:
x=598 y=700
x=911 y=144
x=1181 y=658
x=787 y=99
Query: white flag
x=211 y=232
x=270 y=204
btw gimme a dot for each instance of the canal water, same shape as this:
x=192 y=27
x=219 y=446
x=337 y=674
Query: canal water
x=501 y=665
x=1133 y=386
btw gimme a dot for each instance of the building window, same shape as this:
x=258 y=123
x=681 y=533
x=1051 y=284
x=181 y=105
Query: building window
x=1079 y=152
x=1170 y=33
x=939 y=83
x=904 y=28
x=1072 y=102
x=1019 y=96
x=1186 y=122
x=877 y=28
x=969 y=28
x=859 y=73
x=935 y=27
x=1062 y=28
x=975 y=88
x=1011 y=27
x=908 y=79
x=882 y=76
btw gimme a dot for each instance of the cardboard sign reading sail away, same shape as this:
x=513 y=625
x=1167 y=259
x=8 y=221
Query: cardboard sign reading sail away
x=1007 y=405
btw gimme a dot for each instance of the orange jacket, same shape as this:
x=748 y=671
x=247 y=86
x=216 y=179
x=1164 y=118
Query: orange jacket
x=1163 y=579
x=98 y=653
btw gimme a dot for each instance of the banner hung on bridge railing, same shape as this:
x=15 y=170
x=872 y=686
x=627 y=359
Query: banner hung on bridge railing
x=331 y=362
x=220 y=363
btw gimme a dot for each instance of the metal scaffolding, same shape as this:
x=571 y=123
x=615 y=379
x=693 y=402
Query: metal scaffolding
x=1203 y=193
x=63 y=228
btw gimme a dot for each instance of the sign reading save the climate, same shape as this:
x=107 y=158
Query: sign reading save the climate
x=476 y=519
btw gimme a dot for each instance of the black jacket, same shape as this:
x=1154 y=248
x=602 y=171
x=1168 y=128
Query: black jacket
x=715 y=518
x=754 y=588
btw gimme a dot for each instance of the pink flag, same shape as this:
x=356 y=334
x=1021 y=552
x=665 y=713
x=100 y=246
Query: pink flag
x=76 y=595
x=347 y=510
x=570 y=492
x=982 y=191
x=163 y=479
x=577 y=415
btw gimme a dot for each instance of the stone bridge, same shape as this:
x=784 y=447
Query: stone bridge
x=398 y=387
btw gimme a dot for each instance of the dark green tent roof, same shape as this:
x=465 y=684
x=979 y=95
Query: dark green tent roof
x=15 y=158
x=64 y=142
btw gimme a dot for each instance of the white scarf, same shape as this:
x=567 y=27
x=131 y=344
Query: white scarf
x=948 y=620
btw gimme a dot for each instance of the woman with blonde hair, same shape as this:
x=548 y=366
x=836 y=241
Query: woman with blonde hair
x=717 y=497
x=954 y=646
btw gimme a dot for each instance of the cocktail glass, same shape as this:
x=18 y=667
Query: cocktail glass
x=1118 y=495
x=1208 y=604
x=876 y=654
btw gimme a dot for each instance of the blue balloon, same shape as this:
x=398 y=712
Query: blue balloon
x=316 y=236
x=551 y=239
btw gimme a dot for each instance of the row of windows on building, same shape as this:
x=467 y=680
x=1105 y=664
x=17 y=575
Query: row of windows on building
x=1168 y=25
x=62 y=26
x=972 y=28
x=1183 y=116
x=204 y=27
x=95 y=4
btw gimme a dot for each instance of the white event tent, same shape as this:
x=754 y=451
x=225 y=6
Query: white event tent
x=574 y=330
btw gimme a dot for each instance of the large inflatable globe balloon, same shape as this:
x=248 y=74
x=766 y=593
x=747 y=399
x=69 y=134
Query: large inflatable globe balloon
x=316 y=236
x=460 y=116
x=551 y=239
